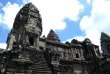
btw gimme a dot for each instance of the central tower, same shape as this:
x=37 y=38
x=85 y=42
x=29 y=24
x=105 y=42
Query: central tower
x=27 y=27
x=23 y=50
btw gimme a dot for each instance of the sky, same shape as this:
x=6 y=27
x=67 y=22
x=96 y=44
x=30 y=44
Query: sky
x=70 y=19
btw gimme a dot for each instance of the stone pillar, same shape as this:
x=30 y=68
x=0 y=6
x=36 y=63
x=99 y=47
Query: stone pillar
x=36 y=44
x=27 y=39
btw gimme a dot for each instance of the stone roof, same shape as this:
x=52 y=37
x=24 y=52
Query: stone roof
x=28 y=15
x=52 y=36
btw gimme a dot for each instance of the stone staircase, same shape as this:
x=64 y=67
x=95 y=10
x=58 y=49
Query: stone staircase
x=40 y=65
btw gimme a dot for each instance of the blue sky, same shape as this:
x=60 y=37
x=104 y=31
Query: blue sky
x=70 y=19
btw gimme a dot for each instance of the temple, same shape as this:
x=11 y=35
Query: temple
x=28 y=52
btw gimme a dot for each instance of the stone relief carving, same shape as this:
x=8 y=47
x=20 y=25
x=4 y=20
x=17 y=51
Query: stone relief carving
x=32 y=29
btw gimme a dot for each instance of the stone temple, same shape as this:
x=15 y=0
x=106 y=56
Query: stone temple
x=28 y=52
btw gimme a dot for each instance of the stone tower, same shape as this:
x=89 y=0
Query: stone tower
x=27 y=27
x=23 y=53
x=105 y=43
x=52 y=36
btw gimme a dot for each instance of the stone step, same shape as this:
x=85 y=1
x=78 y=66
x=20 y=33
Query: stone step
x=40 y=65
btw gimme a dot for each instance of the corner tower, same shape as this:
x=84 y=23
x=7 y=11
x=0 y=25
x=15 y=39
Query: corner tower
x=27 y=27
x=105 y=43
x=52 y=36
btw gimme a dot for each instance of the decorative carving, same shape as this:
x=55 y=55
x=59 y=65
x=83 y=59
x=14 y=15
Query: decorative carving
x=32 y=29
x=87 y=41
x=74 y=41
x=28 y=15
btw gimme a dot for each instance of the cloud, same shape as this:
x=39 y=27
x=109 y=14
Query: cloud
x=1 y=4
x=25 y=1
x=7 y=18
x=98 y=22
x=88 y=1
x=3 y=45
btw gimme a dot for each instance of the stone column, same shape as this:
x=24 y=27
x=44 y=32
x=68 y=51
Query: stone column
x=36 y=43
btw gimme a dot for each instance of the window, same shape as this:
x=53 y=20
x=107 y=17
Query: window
x=14 y=43
x=65 y=55
x=31 y=41
x=77 y=55
x=41 y=48
x=69 y=55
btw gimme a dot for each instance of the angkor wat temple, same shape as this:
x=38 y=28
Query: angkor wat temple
x=28 y=52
